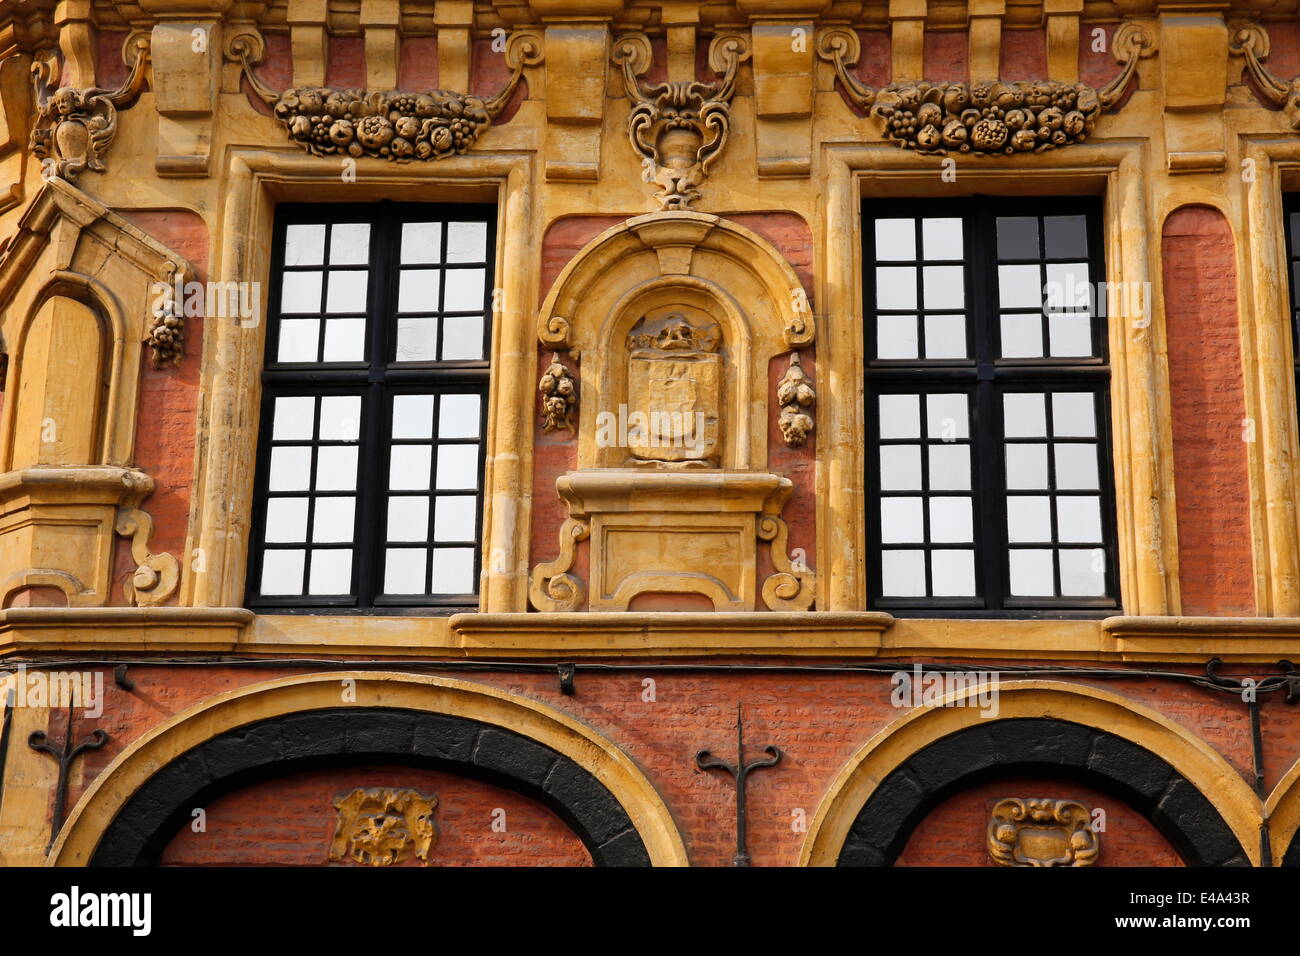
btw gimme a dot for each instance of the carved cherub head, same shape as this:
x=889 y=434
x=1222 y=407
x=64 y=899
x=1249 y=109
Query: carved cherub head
x=65 y=102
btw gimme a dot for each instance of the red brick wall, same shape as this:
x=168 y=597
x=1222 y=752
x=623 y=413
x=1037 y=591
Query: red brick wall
x=954 y=833
x=1098 y=67
x=290 y=821
x=947 y=56
x=1024 y=54
x=419 y=64
x=1210 y=472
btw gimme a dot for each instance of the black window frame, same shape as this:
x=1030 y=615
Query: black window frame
x=377 y=380
x=985 y=377
x=1290 y=226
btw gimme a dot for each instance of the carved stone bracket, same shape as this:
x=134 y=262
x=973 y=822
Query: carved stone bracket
x=559 y=390
x=381 y=827
x=393 y=125
x=984 y=119
x=75 y=127
x=794 y=585
x=795 y=395
x=1250 y=40
x=551 y=587
x=679 y=128
x=156 y=575
x=1036 y=831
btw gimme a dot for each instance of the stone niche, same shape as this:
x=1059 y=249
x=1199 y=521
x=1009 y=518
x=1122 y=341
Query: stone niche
x=673 y=319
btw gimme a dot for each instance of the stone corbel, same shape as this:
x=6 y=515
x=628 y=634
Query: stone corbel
x=1250 y=40
x=75 y=127
x=678 y=128
x=794 y=585
x=551 y=586
x=187 y=65
x=430 y=125
x=783 y=62
x=984 y=119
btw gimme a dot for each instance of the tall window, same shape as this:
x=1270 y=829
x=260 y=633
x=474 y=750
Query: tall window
x=987 y=408
x=1293 y=274
x=370 y=476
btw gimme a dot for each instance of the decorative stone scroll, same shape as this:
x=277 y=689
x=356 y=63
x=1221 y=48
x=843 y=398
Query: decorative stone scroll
x=679 y=128
x=551 y=586
x=984 y=119
x=795 y=395
x=1251 y=41
x=395 y=125
x=381 y=827
x=75 y=127
x=1036 y=831
x=156 y=575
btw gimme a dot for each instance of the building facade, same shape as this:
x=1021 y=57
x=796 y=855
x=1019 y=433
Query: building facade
x=649 y=432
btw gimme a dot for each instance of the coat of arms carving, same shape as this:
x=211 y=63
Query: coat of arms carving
x=381 y=827
x=675 y=384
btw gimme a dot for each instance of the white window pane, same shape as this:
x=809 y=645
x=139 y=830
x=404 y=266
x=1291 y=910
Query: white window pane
x=421 y=242
x=1078 y=519
x=457 y=466
x=350 y=244
x=453 y=518
x=466 y=242
x=299 y=340
x=1027 y=466
x=282 y=571
x=404 y=570
x=950 y=520
x=947 y=418
x=941 y=238
x=408 y=518
x=952 y=573
x=409 y=467
x=417 y=340
x=1024 y=415
x=347 y=292
x=944 y=287
x=286 y=520
x=1083 y=573
x=895 y=287
x=304 y=244
x=895 y=239
x=950 y=467
x=290 y=469
x=900 y=467
x=1068 y=286
x=458 y=416
x=1022 y=335
x=1028 y=519
x=331 y=572
x=1073 y=415
x=900 y=520
x=900 y=416
x=902 y=573
x=1076 y=466
x=1031 y=572
x=1070 y=334
x=896 y=337
x=1020 y=287
x=462 y=337
x=345 y=340
x=340 y=417
x=293 y=418
x=453 y=571
x=334 y=521
x=945 y=336
x=417 y=290
x=464 y=292
x=300 y=292
x=412 y=416
x=336 y=468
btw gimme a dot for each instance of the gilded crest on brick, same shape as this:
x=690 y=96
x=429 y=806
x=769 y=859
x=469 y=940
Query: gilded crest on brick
x=675 y=381
x=382 y=827
x=1039 y=831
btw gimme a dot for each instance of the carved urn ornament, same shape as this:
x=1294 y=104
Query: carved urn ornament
x=1036 y=831
x=381 y=827
x=679 y=128
x=75 y=127
x=395 y=125
x=984 y=119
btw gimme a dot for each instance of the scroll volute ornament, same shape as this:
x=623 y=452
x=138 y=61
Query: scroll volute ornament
x=75 y=127
x=679 y=127
x=1037 y=831
x=395 y=125
x=1250 y=40
x=990 y=118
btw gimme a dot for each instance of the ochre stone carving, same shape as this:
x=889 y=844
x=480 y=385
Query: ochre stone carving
x=394 y=125
x=75 y=127
x=167 y=333
x=675 y=383
x=679 y=128
x=795 y=395
x=1251 y=42
x=559 y=396
x=380 y=827
x=1036 y=831
x=983 y=119
x=551 y=587
x=156 y=575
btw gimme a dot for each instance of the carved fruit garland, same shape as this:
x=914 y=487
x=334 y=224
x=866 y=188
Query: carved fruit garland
x=395 y=125
x=559 y=390
x=984 y=119
x=795 y=395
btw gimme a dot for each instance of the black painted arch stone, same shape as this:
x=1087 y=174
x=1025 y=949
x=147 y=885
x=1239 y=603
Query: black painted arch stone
x=1056 y=748
x=349 y=735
